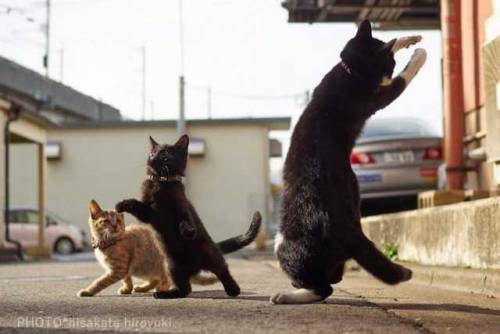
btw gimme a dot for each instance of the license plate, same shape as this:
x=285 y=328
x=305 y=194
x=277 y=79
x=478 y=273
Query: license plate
x=368 y=178
x=399 y=157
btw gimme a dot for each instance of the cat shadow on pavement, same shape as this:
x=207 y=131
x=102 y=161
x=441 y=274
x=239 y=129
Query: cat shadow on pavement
x=416 y=306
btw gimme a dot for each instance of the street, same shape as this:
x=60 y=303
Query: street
x=41 y=297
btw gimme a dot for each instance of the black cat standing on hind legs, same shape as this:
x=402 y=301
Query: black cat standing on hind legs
x=188 y=246
x=321 y=226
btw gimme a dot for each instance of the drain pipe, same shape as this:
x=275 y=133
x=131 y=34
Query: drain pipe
x=13 y=115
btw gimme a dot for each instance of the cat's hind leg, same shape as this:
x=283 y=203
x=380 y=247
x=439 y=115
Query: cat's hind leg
x=127 y=286
x=145 y=287
x=370 y=258
x=221 y=270
x=182 y=284
x=307 y=272
x=163 y=284
x=299 y=296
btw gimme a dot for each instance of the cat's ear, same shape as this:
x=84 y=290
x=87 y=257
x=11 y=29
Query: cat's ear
x=94 y=209
x=183 y=142
x=364 y=30
x=153 y=142
x=387 y=48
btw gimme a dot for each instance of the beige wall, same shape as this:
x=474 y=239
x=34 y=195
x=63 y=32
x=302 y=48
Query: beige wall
x=3 y=119
x=226 y=185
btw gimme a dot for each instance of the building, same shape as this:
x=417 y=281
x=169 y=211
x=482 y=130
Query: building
x=67 y=148
x=471 y=71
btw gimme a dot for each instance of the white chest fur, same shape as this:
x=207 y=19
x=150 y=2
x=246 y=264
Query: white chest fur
x=101 y=258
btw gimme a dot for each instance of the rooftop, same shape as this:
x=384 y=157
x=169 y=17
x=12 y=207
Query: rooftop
x=274 y=123
x=40 y=94
x=384 y=14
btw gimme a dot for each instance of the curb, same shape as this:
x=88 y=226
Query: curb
x=479 y=281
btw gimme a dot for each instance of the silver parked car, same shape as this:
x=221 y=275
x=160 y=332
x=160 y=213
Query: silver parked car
x=395 y=158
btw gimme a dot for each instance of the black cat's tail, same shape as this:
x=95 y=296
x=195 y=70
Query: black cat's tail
x=233 y=244
x=377 y=264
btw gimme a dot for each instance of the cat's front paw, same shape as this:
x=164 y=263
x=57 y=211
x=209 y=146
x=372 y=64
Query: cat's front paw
x=84 y=293
x=418 y=59
x=125 y=205
x=187 y=230
x=409 y=41
x=125 y=290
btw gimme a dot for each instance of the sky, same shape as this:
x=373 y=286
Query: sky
x=255 y=63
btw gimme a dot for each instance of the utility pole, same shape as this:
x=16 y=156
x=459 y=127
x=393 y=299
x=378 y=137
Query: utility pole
x=181 y=122
x=143 y=83
x=209 y=102
x=61 y=63
x=47 y=39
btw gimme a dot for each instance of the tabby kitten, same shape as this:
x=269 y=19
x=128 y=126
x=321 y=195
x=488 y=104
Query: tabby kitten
x=165 y=206
x=321 y=225
x=126 y=251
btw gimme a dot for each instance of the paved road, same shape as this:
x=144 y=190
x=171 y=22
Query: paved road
x=41 y=298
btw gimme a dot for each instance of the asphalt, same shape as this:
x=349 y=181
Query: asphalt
x=41 y=298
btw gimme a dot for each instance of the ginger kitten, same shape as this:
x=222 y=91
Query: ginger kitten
x=126 y=252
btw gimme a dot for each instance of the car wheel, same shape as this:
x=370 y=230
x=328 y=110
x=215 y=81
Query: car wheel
x=64 y=246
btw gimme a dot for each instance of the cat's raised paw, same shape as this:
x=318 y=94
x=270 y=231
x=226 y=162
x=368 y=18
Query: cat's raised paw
x=124 y=206
x=84 y=293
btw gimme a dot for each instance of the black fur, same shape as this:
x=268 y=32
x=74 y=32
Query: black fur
x=188 y=245
x=321 y=216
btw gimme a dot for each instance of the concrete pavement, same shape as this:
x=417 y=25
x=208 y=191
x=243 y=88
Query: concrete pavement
x=41 y=297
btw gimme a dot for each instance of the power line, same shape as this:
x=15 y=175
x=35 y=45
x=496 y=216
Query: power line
x=248 y=96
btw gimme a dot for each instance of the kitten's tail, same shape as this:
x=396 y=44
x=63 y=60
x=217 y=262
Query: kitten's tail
x=233 y=244
x=376 y=263
x=201 y=279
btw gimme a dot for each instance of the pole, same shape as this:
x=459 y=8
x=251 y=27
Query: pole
x=46 y=59
x=209 y=102
x=143 y=82
x=181 y=123
x=152 y=105
x=61 y=63
x=453 y=94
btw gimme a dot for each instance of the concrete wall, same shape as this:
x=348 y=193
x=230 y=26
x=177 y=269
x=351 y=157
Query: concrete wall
x=108 y=164
x=465 y=234
x=3 y=119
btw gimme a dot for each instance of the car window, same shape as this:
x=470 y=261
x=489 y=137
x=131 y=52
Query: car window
x=18 y=217
x=394 y=128
x=32 y=217
x=14 y=217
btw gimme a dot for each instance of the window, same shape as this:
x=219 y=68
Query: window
x=31 y=217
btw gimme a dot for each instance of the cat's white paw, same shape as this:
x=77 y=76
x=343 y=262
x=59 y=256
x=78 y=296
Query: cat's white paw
x=405 y=42
x=300 y=296
x=418 y=58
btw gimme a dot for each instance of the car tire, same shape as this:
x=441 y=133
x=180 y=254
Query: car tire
x=64 y=246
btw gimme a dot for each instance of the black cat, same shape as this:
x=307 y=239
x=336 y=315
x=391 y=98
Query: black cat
x=321 y=227
x=188 y=245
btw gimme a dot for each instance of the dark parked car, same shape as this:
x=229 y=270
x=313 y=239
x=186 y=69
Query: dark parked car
x=394 y=160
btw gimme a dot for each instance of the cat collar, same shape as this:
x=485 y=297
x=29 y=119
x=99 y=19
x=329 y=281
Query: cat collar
x=103 y=244
x=175 y=178
x=346 y=67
